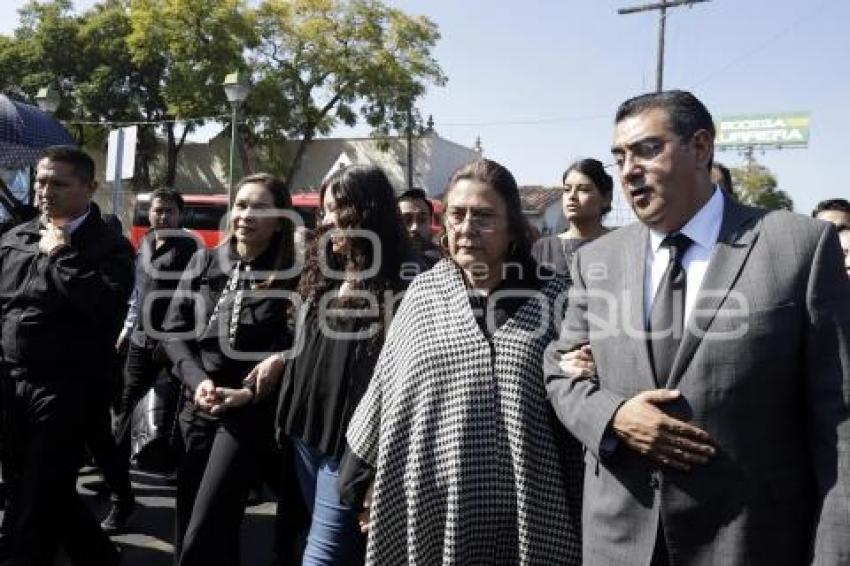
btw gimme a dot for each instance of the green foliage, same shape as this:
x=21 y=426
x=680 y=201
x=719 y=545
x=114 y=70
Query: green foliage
x=129 y=60
x=45 y=50
x=757 y=186
x=321 y=63
x=184 y=49
x=107 y=84
x=190 y=46
x=316 y=64
x=41 y=50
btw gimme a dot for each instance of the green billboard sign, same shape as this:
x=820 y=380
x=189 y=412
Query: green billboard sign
x=763 y=130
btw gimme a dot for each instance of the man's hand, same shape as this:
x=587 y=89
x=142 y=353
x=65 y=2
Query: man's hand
x=265 y=375
x=228 y=398
x=578 y=363
x=52 y=238
x=645 y=428
x=205 y=395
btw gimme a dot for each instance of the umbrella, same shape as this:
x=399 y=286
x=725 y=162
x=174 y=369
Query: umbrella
x=25 y=131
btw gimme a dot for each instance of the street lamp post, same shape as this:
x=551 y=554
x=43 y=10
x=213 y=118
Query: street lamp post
x=236 y=90
x=48 y=101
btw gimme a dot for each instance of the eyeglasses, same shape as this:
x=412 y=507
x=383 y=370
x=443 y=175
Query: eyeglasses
x=480 y=219
x=643 y=150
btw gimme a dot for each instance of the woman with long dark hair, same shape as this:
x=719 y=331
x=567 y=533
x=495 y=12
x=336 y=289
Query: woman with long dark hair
x=229 y=311
x=353 y=271
x=588 y=190
x=455 y=426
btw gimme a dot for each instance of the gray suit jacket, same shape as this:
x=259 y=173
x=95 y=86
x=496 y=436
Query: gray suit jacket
x=764 y=368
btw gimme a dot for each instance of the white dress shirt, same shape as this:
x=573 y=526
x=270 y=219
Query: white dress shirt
x=703 y=228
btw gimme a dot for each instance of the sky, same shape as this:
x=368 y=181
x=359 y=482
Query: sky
x=540 y=80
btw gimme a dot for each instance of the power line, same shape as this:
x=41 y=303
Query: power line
x=526 y=121
x=812 y=13
x=224 y=117
x=122 y=123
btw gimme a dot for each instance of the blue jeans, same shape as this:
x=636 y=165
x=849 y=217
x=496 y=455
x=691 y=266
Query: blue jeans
x=334 y=537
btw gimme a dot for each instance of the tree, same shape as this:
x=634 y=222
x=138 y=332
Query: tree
x=41 y=51
x=321 y=63
x=316 y=64
x=184 y=49
x=89 y=60
x=110 y=86
x=757 y=186
x=85 y=58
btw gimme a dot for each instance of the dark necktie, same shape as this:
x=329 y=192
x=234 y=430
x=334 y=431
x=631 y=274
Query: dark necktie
x=666 y=319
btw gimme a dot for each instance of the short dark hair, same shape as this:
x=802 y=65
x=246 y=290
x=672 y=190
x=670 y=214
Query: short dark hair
x=594 y=170
x=725 y=178
x=170 y=196
x=502 y=181
x=417 y=194
x=81 y=162
x=685 y=113
x=837 y=204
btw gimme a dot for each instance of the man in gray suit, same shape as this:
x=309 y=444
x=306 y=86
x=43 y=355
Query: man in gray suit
x=704 y=362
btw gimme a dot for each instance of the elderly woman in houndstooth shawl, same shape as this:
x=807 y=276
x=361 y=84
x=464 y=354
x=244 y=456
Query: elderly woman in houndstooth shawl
x=455 y=428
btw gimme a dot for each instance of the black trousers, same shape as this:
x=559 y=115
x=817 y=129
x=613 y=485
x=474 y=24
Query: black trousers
x=44 y=423
x=113 y=464
x=141 y=371
x=222 y=459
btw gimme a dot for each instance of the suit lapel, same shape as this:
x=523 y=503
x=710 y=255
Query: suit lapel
x=633 y=291
x=738 y=233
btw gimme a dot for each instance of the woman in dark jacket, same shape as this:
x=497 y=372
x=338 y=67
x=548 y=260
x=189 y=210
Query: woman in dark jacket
x=230 y=311
x=352 y=275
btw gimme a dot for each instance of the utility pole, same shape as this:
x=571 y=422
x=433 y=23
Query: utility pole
x=749 y=158
x=662 y=23
x=410 y=145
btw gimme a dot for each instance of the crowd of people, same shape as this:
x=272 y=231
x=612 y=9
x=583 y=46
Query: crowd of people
x=675 y=391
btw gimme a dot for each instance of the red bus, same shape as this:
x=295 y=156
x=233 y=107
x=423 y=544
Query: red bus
x=202 y=214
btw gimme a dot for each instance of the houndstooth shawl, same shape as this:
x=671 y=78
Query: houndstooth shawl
x=451 y=485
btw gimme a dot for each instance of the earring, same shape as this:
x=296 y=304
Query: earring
x=444 y=241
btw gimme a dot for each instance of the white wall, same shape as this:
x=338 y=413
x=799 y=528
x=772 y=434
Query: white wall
x=446 y=157
x=551 y=221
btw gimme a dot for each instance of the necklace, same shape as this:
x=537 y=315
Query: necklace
x=235 y=283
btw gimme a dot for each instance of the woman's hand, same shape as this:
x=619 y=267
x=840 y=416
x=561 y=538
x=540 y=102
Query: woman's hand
x=364 y=518
x=229 y=398
x=205 y=395
x=265 y=375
